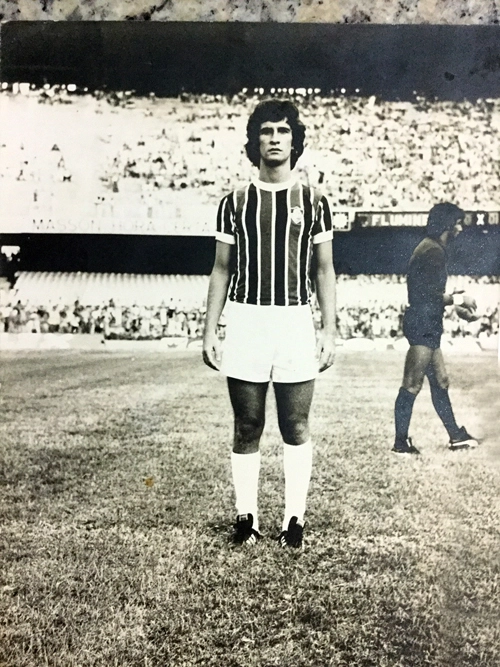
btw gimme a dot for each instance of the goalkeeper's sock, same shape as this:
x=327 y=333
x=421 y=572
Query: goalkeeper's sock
x=442 y=405
x=402 y=413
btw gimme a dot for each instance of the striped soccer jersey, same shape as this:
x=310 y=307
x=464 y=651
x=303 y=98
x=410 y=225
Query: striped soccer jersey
x=273 y=227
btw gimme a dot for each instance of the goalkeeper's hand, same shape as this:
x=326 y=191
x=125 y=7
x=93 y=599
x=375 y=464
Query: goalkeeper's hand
x=465 y=307
x=466 y=313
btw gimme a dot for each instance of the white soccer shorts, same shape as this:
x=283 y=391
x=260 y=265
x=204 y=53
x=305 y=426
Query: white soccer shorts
x=265 y=343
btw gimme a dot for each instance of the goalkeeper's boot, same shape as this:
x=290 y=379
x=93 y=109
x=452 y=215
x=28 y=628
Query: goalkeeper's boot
x=405 y=446
x=462 y=440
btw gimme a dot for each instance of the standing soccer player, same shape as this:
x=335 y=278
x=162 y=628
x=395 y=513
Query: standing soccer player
x=423 y=327
x=273 y=239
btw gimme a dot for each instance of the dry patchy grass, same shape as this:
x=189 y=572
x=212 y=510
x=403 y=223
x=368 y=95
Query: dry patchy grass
x=116 y=505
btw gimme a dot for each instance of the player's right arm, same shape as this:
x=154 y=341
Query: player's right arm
x=217 y=293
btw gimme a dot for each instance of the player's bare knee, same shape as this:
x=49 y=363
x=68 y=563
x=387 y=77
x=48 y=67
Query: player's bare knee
x=294 y=431
x=248 y=430
x=444 y=383
x=245 y=447
x=439 y=382
x=413 y=387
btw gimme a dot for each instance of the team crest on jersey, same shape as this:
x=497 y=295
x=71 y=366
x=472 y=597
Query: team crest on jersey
x=297 y=215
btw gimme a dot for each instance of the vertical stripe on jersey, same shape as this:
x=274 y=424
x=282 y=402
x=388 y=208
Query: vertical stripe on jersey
x=273 y=243
x=241 y=288
x=287 y=246
x=258 y=254
x=320 y=215
x=296 y=231
x=237 y=271
x=225 y=224
x=227 y=221
x=266 y=226
x=304 y=259
x=322 y=219
x=327 y=216
x=280 y=247
x=253 y=261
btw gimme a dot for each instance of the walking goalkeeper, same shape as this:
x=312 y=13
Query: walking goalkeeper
x=423 y=327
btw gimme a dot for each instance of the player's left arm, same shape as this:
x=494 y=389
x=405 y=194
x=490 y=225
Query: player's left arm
x=458 y=298
x=431 y=266
x=325 y=281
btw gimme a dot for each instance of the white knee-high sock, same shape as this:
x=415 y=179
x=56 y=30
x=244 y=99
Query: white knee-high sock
x=245 y=468
x=297 y=463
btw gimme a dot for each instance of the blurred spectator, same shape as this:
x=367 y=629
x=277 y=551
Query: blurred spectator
x=54 y=319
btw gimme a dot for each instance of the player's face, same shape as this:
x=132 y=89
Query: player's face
x=275 y=141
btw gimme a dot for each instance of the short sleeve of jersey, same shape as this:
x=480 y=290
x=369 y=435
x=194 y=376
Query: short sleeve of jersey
x=225 y=221
x=322 y=227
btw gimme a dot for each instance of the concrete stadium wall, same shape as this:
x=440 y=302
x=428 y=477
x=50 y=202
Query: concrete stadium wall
x=465 y=346
x=29 y=341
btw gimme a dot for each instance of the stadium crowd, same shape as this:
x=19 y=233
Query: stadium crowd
x=360 y=314
x=134 y=321
x=365 y=153
x=114 y=149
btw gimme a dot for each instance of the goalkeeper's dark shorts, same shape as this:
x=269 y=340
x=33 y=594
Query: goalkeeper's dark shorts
x=423 y=328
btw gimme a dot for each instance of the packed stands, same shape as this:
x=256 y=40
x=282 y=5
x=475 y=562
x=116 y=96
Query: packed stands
x=365 y=153
x=89 y=162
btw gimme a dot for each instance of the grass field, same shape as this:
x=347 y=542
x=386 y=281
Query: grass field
x=116 y=512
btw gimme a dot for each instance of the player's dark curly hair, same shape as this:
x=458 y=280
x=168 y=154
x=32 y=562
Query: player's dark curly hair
x=442 y=217
x=273 y=111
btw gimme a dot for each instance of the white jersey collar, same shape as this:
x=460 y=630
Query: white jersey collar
x=275 y=187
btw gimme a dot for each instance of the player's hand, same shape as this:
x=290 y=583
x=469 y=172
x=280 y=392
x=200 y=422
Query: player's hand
x=212 y=351
x=464 y=300
x=467 y=309
x=467 y=314
x=325 y=351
